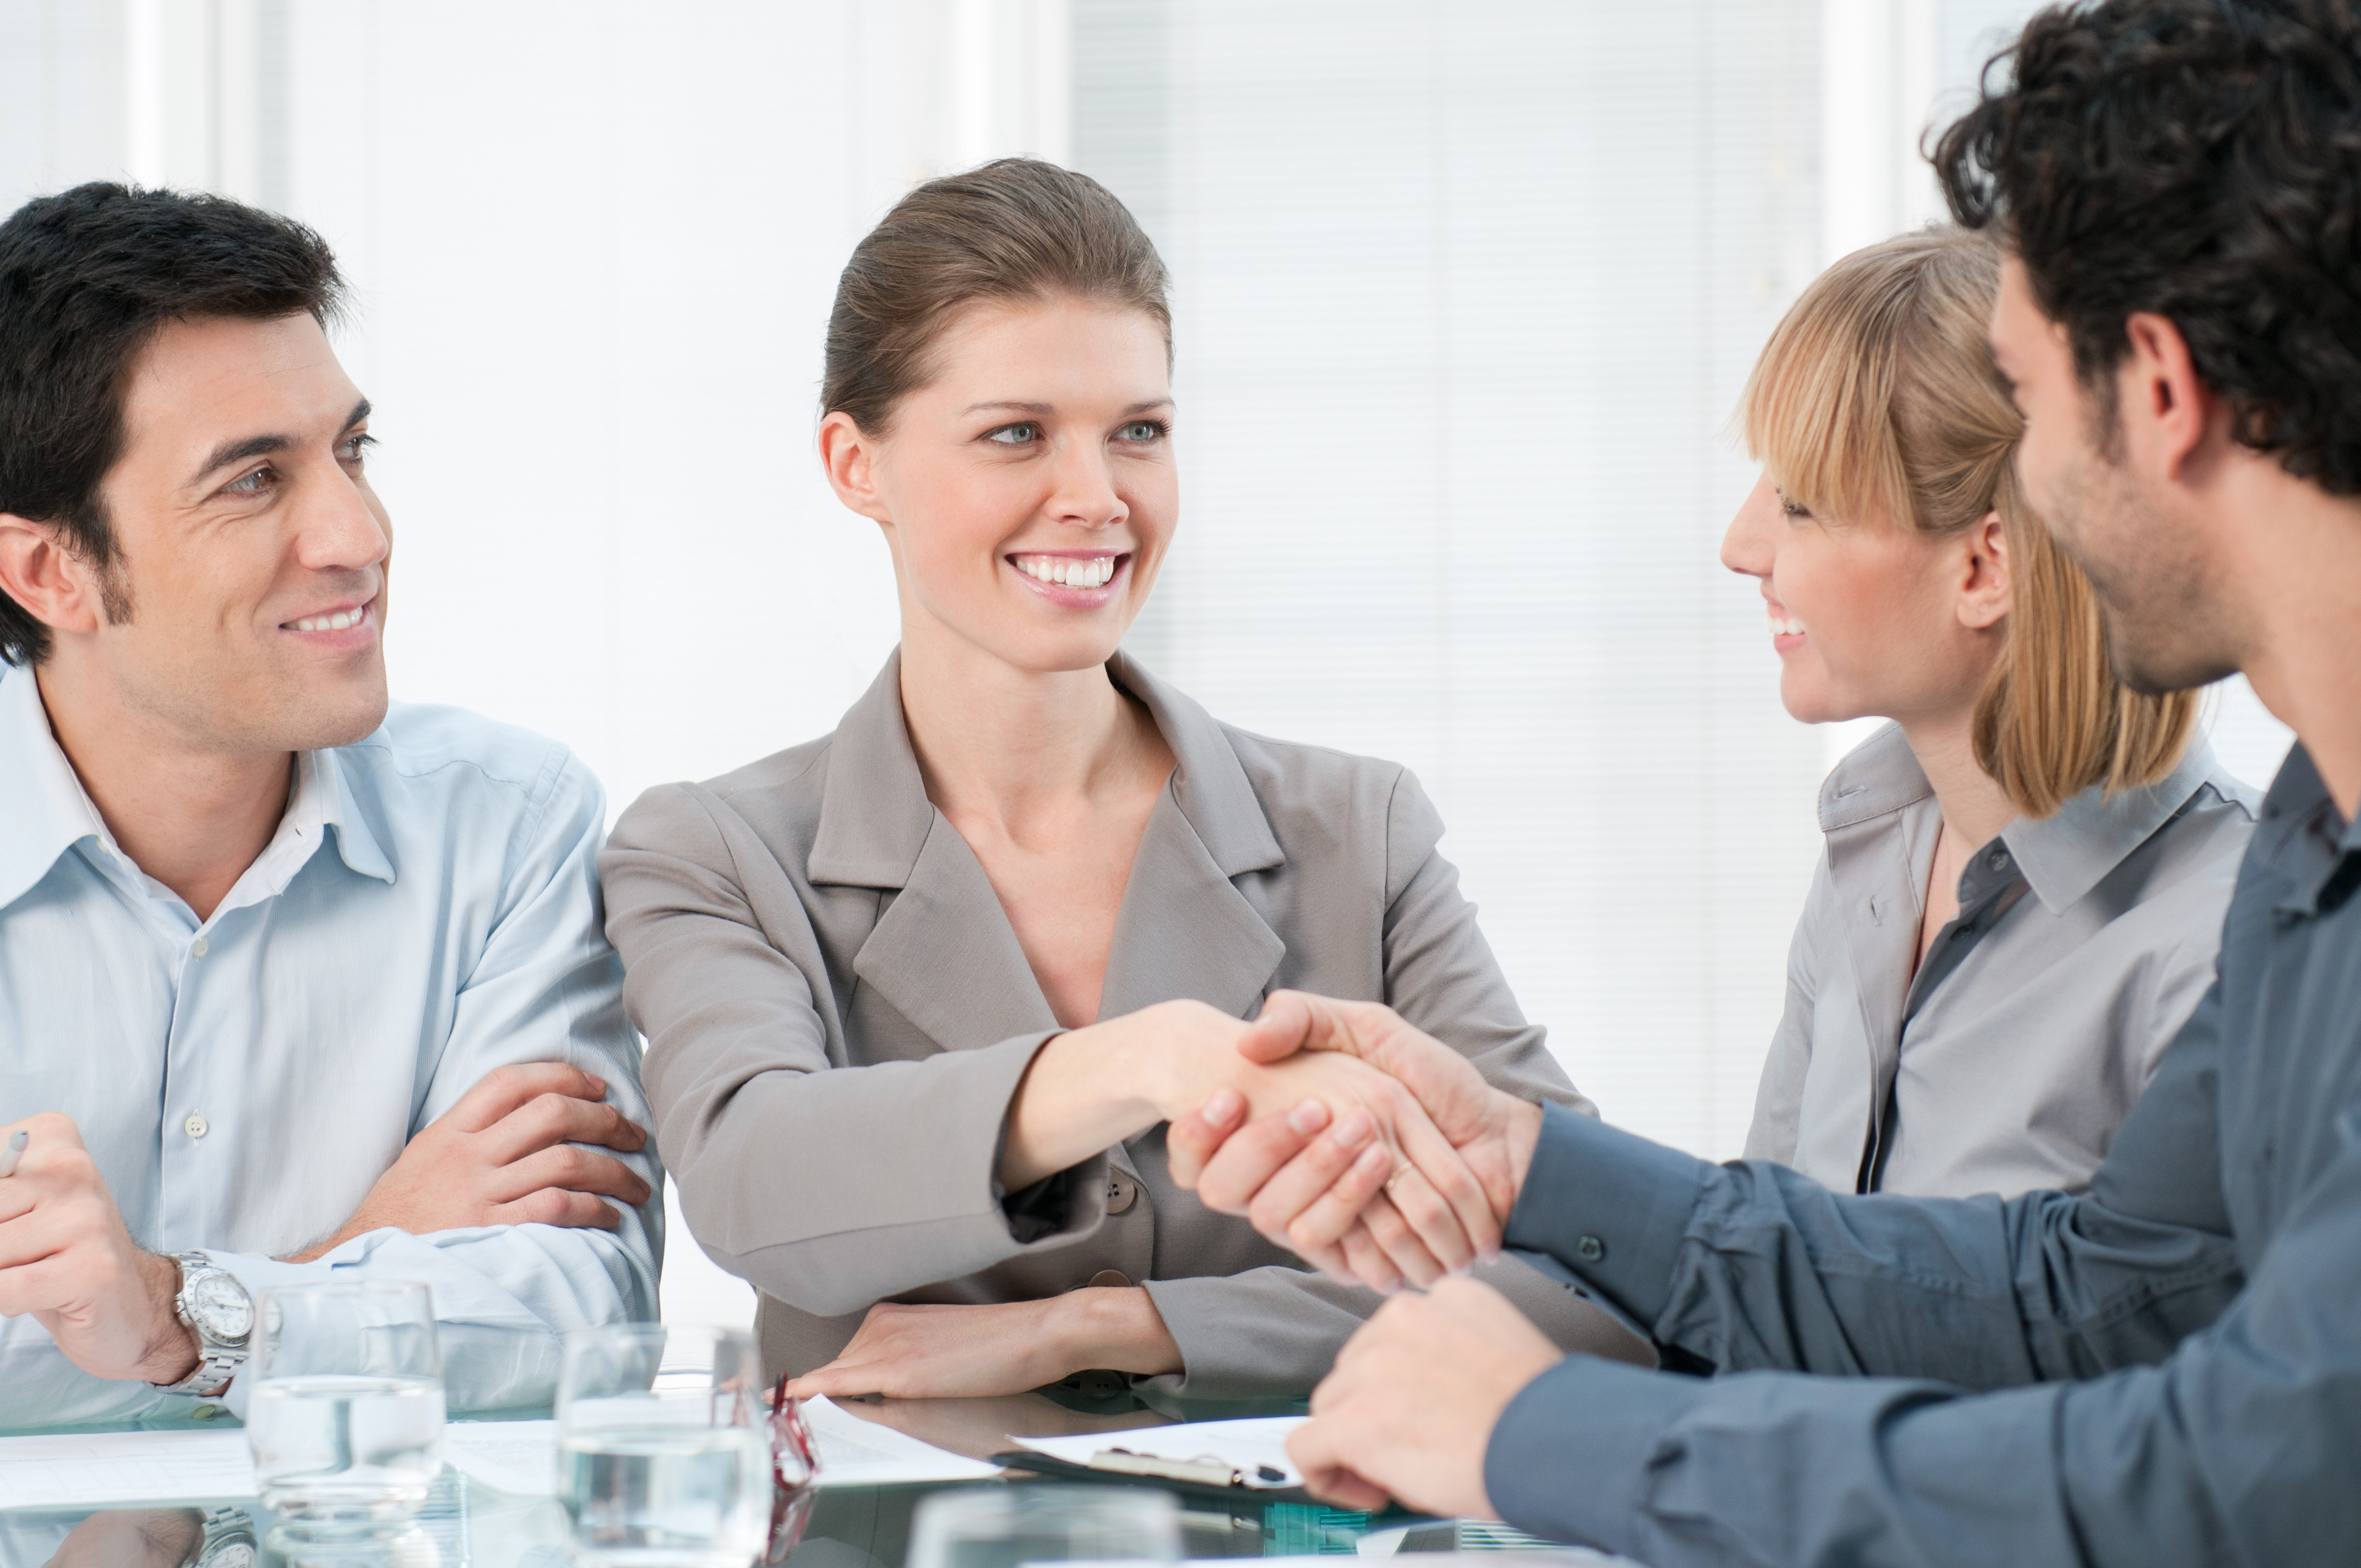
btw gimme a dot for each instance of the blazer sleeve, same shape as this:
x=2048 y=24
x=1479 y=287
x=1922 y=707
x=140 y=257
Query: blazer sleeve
x=1779 y=1098
x=778 y=1147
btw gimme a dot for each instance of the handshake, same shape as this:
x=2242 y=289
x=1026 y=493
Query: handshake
x=1380 y=1154
x=1370 y=1149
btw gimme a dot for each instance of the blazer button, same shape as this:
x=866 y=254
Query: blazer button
x=1122 y=1192
x=1111 y=1279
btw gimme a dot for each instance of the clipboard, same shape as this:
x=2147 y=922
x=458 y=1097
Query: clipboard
x=1195 y=1478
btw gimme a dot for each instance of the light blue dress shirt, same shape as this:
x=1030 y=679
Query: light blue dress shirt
x=427 y=911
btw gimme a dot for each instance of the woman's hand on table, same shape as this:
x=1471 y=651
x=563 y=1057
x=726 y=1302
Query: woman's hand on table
x=1320 y=1195
x=923 y=1352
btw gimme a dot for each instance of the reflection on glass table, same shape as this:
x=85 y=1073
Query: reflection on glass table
x=465 y=1523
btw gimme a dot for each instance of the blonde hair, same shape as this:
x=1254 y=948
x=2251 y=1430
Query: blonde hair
x=1876 y=398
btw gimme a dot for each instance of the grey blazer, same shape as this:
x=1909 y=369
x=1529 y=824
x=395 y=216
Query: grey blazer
x=837 y=1013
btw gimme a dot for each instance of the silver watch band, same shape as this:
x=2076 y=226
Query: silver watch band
x=218 y=1361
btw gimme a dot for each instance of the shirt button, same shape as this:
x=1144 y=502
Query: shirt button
x=1997 y=859
x=1591 y=1249
x=196 y=1126
x=200 y=948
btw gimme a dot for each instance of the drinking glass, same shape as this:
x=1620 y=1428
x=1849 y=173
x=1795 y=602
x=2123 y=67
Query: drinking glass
x=1003 y=1527
x=345 y=1415
x=664 y=1447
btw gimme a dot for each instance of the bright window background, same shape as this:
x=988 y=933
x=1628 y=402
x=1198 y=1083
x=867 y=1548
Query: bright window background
x=1465 y=294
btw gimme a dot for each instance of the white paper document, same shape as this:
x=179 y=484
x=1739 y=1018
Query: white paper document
x=520 y=1457
x=516 y=1457
x=854 y=1452
x=82 y=1470
x=1251 y=1453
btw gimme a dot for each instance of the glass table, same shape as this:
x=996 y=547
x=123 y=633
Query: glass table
x=466 y=1524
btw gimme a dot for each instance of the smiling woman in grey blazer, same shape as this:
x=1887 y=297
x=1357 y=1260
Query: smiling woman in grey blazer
x=920 y=994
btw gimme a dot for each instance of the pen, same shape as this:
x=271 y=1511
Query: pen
x=14 y=1152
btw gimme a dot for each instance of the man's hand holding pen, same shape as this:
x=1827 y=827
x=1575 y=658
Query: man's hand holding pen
x=67 y=1258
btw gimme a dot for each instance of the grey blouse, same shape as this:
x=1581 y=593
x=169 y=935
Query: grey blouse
x=2083 y=944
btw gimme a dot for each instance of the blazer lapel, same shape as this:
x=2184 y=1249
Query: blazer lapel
x=1185 y=929
x=943 y=953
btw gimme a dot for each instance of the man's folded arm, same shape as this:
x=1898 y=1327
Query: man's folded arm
x=546 y=988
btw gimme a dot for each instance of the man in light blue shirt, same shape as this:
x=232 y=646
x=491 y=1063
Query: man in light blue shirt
x=292 y=986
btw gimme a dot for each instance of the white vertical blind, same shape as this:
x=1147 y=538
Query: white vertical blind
x=1465 y=295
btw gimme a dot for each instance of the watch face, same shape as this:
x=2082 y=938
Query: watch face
x=221 y=1308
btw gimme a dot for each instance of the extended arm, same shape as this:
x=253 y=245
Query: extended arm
x=2229 y=1448
x=758 y=1108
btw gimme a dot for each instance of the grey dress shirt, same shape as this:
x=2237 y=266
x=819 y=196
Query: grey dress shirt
x=2006 y=1063
x=2164 y=1370
x=837 y=1013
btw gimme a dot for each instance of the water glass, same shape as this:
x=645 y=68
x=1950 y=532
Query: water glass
x=346 y=1410
x=664 y=1446
x=1003 y=1527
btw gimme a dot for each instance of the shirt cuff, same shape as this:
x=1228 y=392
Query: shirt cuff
x=1613 y=1208
x=1569 y=1459
x=257 y=1272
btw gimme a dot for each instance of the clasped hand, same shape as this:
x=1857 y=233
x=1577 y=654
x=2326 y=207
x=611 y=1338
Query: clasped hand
x=1408 y=1410
x=1320 y=1178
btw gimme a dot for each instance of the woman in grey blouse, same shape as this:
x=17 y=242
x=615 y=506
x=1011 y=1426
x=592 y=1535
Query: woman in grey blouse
x=2026 y=873
x=920 y=994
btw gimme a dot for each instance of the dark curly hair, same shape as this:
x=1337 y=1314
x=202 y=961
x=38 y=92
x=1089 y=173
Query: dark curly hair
x=2201 y=159
x=87 y=278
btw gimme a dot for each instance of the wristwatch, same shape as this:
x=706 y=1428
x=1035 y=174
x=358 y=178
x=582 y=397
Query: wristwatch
x=217 y=1309
x=229 y=1540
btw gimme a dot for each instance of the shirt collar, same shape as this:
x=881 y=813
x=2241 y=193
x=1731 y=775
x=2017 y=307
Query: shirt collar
x=2062 y=856
x=1877 y=778
x=2068 y=853
x=50 y=812
x=57 y=813
x=329 y=777
x=2305 y=840
x=874 y=815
